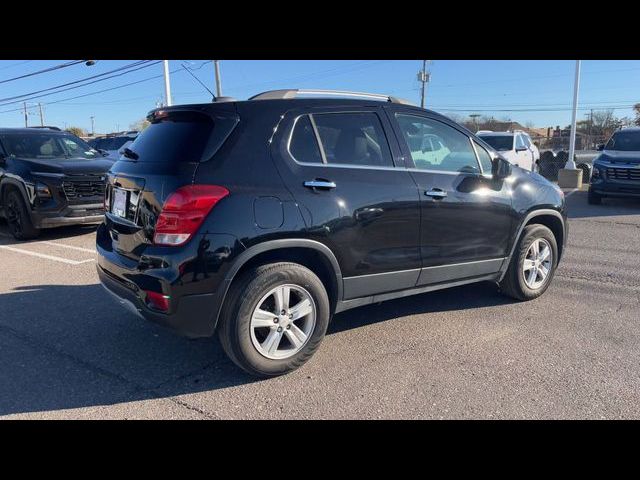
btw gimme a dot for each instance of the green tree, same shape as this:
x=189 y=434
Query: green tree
x=77 y=131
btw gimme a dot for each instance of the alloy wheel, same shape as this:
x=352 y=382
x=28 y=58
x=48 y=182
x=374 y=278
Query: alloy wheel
x=537 y=263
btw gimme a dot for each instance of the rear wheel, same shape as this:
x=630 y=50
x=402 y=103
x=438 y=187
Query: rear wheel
x=18 y=217
x=594 y=198
x=274 y=319
x=533 y=264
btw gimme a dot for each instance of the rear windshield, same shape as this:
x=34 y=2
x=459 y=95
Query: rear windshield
x=624 y=142
x=179 y=137
x=47 y=146
x=499 y=142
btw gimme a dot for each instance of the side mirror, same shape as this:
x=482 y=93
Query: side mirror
x=521 y=149
x=600 y=147
x=501 y=168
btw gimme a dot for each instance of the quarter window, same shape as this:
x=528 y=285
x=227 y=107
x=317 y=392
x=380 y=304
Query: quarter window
x=353 y=139
x=304 y=146
x=436 y=146
x=484 y=158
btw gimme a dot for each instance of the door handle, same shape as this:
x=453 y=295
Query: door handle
x=320 y=183
x=435 y=193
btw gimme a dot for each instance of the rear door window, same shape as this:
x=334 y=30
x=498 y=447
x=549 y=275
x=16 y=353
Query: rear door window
x=353 y=139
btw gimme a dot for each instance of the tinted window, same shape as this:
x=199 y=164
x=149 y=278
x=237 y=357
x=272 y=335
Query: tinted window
x=484 y=158
x=179 y=137
x=44 y=145
x=624 y=141
x=353 y=139
x=304 y=146
x=437 y=146
x=502 y=143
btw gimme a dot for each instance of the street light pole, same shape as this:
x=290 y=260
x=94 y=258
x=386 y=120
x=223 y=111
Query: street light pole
x=167 y=83
x=41 y=115
x=216 y=64
x=93 y=130
x=571 y=164
x=26 y=120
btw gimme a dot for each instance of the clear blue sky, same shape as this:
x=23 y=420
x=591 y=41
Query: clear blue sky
x=540 y=91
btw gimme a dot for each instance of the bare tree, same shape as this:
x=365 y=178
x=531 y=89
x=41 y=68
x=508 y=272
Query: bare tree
x=140 y=125
x=636 y=108
x=77 y=131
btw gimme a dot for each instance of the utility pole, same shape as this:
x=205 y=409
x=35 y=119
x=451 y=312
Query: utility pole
x=26 y=118
x=571 y=164
x=216 y=64
x=474 y=117
x=423 y=77
x=167 y=83
x=41 y=115
x=93 y=130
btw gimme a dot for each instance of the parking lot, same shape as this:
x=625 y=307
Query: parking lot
x=67 y=350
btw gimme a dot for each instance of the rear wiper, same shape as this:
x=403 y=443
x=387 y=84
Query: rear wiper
x=127 y=152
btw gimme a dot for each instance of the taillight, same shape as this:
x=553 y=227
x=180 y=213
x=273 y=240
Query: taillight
x=184 y=211
x=157 y=301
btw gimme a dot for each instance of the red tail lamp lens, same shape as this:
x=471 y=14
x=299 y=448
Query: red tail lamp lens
x=158 y=301
x=184 y=211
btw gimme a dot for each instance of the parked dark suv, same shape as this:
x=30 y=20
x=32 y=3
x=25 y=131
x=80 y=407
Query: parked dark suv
x=49 y=178
x=616 y=171
x=263 y=218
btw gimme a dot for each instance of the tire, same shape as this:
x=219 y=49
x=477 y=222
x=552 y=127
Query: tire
x=246 y=344
x=514 y=283
x=18 y=218
x=594 y=198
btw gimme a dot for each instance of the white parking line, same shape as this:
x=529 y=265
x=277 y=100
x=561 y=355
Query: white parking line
x=72 y=247
x=48 y=257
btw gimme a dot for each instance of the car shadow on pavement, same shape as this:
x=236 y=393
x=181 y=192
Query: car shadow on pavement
x=48 y=234
x=66 y=346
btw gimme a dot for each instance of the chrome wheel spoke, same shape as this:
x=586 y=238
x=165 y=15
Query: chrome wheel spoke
x=296 y=336
x=533 y=274
x=528 y=265
x=272 y=341
x=544 y=271
x=301 y=309
x=262 y=318
x=544 y=254
x=281 y=295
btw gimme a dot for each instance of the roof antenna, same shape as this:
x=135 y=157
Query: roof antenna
x=198 y=80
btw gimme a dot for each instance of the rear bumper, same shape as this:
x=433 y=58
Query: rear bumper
x=190 y=317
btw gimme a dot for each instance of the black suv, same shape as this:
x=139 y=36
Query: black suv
x=616 y=171
x=49 y=178
x=263 y=218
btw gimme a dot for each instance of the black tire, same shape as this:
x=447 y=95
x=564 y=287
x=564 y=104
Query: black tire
x=18 y=218
x=513 y=284
x=594 y=198
x=234 y=328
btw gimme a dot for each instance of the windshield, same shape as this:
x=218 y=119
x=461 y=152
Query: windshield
x=45 y=145
x=624 y=142
x=499 y=142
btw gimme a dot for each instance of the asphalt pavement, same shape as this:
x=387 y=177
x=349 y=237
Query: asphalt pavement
x=67 y=350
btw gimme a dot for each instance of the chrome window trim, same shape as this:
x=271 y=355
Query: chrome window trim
x=474 y=144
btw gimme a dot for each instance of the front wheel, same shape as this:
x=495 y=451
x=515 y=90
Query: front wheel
x=18 y=218
x=274 y=319
x=533 y=264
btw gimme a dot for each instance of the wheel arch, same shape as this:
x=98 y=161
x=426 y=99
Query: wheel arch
x=9 y=183
x=310 y=253
x=552 y=219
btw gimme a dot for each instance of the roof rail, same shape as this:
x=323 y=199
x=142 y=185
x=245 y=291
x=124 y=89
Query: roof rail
x=294 y=92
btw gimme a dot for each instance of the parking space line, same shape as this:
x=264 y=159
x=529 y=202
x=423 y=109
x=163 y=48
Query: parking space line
x=44 y=255
x=72 y=247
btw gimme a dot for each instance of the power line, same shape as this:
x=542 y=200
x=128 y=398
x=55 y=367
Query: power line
x=31 y=95
x=16 y=64
x=50 y=69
